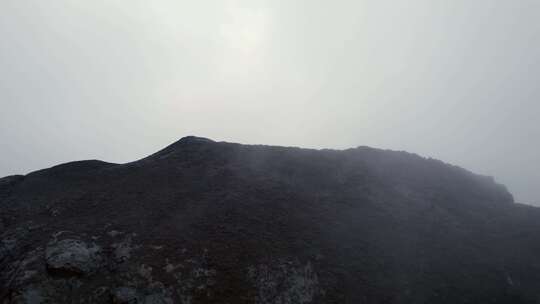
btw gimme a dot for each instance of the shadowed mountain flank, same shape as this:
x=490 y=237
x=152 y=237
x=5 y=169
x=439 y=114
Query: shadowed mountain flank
x=214 y=222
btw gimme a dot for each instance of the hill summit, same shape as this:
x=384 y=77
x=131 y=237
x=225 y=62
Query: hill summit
x=214 y=222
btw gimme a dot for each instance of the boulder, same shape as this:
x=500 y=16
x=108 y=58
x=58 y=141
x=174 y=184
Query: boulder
x=72 y=257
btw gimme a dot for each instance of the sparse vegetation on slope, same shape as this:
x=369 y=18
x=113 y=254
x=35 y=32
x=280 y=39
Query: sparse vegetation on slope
x=214 y=222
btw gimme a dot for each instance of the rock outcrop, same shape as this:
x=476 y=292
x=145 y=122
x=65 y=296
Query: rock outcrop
x=71 y=257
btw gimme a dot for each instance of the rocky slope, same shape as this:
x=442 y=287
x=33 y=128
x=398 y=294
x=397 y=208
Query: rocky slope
x=215 y=222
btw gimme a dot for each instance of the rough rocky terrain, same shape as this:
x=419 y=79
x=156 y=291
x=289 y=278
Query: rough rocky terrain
x=214 y=222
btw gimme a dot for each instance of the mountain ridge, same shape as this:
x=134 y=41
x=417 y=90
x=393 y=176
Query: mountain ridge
x=202 y=221
x=191 y=139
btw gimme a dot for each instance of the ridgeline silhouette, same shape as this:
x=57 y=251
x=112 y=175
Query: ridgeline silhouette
x=215 y=222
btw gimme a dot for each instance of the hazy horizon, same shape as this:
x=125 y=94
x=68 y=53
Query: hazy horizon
x=119 y=80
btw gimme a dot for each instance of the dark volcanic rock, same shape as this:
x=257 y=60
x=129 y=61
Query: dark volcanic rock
x=72 y=257
x=213 y=222
x=125 y=295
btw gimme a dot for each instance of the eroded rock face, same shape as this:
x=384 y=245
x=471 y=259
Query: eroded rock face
x=71 y=257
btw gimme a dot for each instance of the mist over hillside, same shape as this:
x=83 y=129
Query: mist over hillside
x=117 y=80
x=215 y=222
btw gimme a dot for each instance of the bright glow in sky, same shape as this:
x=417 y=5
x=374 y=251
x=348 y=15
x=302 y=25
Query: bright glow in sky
x=117 y=80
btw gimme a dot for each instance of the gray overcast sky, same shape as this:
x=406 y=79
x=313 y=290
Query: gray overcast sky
x=117 y=80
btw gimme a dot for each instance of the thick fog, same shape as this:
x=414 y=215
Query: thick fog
x=118 y=80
